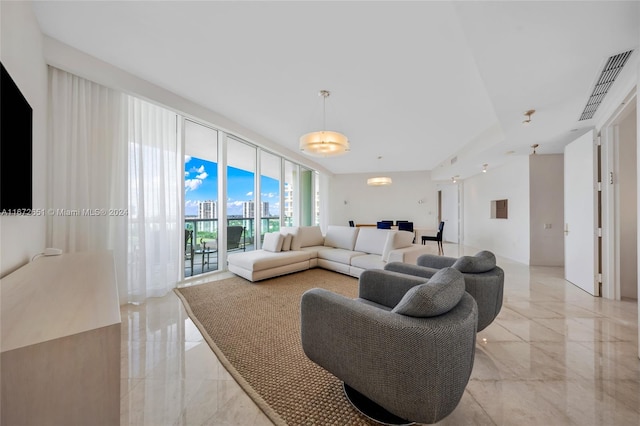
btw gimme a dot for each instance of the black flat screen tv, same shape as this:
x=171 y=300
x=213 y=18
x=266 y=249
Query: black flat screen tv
x=16 y=121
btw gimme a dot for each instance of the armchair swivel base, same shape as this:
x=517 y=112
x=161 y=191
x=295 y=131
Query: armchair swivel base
x=372 y=410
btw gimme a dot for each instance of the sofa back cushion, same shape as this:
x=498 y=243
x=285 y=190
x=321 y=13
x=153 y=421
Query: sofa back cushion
x=483 y=261
x=310 y=236
x=272 y=242
x=343 y=237
x=371 y=240
x=396 y=240
x=440 y=294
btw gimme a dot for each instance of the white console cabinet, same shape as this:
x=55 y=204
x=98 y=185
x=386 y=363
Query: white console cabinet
x=60 y=342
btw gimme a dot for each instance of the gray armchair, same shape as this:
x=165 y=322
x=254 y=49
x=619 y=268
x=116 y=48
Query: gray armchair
x=483 y=279
x=406 y=344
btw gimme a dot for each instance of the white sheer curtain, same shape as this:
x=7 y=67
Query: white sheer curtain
x=93 y=132
x=86 y=168
x=154 y=212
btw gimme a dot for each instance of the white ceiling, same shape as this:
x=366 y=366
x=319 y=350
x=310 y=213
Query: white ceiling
x=414 y=82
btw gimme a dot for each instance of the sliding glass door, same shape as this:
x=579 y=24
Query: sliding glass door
x=241 y=195
x=234 y=193
x=270 y=176
x=200 y=199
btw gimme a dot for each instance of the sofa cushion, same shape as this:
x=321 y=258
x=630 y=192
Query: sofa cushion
x=483 y=261
x=295 y=239
x=286 y=242
x=313 y=251
x=438 y=295
x=371 y=240
x=259 y=260
x=396 y=240
x=343 y=237
x=310 y=236
x=368 y=261
x=338 y=255
x=272 y=242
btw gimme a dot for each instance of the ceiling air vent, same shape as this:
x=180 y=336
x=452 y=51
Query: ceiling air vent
x=608 y=75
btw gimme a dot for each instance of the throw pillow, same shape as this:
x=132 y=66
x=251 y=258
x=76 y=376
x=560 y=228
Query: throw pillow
x=272 y=242
x=286 y=243
x=438 y=295
x=483 y=261
x=295 y=240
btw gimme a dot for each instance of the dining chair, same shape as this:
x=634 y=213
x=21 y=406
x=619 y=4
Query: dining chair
x=405 y=226
x=437 y=238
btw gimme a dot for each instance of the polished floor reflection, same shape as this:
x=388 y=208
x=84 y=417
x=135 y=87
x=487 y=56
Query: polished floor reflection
x=554 y=356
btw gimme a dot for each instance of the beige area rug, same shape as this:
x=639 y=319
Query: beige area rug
x=255 y=331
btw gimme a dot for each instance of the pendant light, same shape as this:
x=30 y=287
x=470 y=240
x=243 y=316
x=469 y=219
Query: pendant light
x=324 y=143
x=380 y=180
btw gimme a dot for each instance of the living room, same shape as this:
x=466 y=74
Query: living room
x=27 y=51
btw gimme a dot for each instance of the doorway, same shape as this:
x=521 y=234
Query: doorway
x=620 y=136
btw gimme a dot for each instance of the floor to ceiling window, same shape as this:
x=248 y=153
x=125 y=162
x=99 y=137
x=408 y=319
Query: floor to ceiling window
x=270 y=176
x=234 y=193
x=291 y=199
x=241 y=195
x=200 y=198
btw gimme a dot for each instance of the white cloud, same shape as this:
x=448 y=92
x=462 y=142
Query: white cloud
x=191 y=203
x=235 y=203
x=186 y=173
x=203 y=176
x=192 y=184
x=187 y=158
x=201 y=169
x=249 y=194
x=270 y=195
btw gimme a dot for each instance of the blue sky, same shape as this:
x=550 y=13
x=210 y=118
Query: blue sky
x=201 y=184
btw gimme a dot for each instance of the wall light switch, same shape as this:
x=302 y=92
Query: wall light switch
x=547 y=226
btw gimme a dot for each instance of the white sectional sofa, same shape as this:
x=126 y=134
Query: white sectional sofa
x=343 y=249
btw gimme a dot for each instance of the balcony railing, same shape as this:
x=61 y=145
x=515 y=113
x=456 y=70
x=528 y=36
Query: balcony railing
x=203 y=257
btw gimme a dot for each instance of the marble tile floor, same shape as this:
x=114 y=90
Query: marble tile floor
x=554 y=356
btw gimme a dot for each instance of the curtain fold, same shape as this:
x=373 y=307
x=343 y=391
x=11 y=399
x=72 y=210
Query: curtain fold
x=113 y=182
x=86 y=162
x=154 y=212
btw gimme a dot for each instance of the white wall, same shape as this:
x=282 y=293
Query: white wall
x=546 y=198
x=21 y=53
x=505 y=237
x=628 y=187
x=411 y=196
